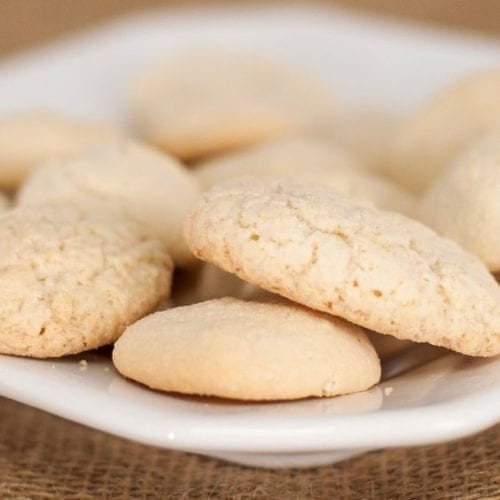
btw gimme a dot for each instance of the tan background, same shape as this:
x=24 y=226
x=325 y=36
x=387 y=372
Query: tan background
x=23 y=22
x=44 y=457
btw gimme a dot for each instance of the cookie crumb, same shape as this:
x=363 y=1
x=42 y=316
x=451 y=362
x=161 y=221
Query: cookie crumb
x=83 y=365
x=388 y=391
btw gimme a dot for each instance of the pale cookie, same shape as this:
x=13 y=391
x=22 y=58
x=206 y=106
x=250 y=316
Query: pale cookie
x=377 y=269
x=28 y=139
x=204 y=102
x=310 y=160
x=151 y=188
x=73 y=280
x=363 y=133
x=464 y=202
x=247 y=350
x=446 y=126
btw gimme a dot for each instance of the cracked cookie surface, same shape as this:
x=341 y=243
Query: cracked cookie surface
x=307 y=159
x=248 y=350
x=140 y=183
x=73 y=279
x=377 y=269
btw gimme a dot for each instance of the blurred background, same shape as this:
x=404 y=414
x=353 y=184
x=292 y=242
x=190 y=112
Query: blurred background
x=27 y=22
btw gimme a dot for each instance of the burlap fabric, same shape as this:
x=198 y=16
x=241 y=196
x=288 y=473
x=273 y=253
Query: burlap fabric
x=42 y=456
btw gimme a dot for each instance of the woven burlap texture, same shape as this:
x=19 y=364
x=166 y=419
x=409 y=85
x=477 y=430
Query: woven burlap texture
x=42 y=456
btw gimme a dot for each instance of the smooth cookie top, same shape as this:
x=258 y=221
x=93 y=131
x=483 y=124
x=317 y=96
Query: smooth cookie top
x=73 y=279
x=377 y=269
x=247 y=350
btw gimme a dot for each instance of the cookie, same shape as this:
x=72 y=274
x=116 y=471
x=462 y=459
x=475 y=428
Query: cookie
x=444 y=128
x=204 y=102
x=247 y=350
x=73 y=279
x=151 y=188
x=28 y=139
x=363 y=133
x=377 y=269
x=306 y=159
x=463 y=203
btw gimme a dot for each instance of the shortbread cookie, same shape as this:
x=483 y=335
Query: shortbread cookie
x=311 y=160
x=207 y=282
x=463 y=203
x=31 y=138
x=73 y=279
x=143 y=184
x=204 y=102
x=442 y=129
x=247 y=350
x=378 y=269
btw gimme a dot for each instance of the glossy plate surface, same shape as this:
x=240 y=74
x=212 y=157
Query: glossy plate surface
x=367 y=62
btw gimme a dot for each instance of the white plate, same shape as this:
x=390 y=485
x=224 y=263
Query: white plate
x=368 y=62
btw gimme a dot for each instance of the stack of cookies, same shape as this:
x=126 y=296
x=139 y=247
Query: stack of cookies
x=299 y=231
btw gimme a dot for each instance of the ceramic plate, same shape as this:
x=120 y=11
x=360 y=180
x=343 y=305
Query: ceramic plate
x=427 y=396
